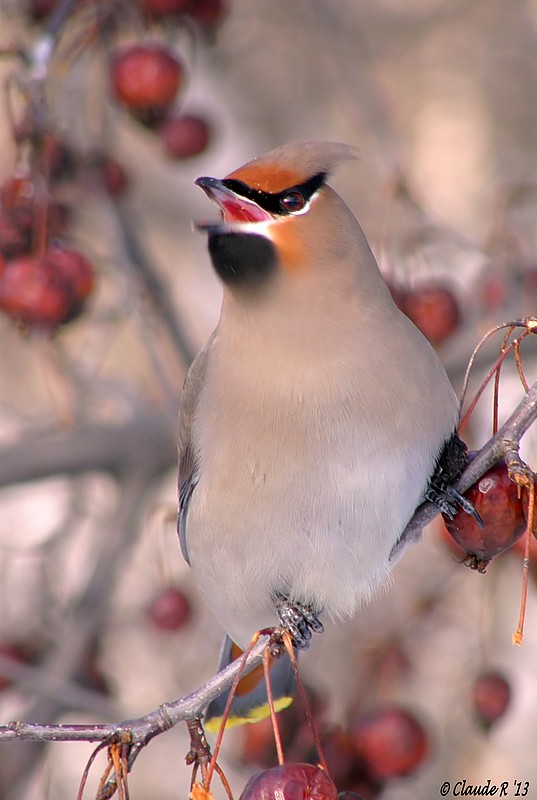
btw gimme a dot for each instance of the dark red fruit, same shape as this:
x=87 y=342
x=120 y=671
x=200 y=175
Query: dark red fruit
x=290 y=782
x=495 y=498
x=14 y=652
x=208 y=13
x=170 y=610
x=434 y=310
x=114 y=177
x=391 y=742
x=45 y=291
x=73 y=270
x=492 y=695
x=146 y=78
x=165 y=8
x=185 y=137
x=29 y=294
x=41 y=8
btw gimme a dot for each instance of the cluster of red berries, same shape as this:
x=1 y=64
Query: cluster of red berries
x=148 y=77
x=41 y=285
x=383 y=744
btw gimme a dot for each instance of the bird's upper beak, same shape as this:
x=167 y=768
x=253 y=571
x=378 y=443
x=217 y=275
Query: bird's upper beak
x=235 y=208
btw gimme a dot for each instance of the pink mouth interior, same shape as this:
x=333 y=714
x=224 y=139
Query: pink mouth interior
x=236 y=211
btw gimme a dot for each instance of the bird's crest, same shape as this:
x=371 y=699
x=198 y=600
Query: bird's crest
x=292 y=164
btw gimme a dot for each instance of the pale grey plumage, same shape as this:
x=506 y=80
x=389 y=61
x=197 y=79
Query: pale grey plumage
x=310 y=424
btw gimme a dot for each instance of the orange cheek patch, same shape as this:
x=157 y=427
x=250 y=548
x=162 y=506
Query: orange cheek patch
x=289 y=246
x=269 y=179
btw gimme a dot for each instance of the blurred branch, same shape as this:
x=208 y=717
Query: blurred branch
x=85 y=621
x=152 y=284
x=67 y=693
x=148 y=441
x=139 y=732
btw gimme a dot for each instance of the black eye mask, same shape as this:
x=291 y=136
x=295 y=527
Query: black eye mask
x=277 y=203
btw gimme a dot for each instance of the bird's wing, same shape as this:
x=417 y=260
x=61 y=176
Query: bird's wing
x=187 y=456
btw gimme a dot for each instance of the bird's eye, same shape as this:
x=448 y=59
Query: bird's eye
x=294 y=201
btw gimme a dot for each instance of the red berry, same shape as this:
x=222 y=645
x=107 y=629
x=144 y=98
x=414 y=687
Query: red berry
x=391 y=742
x=185 y=137
x=170 y=610
x=29 y=293
x=290 y=782
x=434 y=310
x=146 y=78
x=495 y=498
x=73 y=270
x=45 y=291
x=492 y=695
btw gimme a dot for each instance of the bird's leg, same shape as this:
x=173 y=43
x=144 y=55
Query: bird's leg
x=299 y=619
x=449 y=467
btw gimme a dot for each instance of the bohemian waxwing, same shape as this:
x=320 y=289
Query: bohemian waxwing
x=312 y=423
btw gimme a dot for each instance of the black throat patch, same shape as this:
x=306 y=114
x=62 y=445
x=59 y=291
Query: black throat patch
x=242 y=260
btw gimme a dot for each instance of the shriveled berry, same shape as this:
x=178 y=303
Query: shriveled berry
x=495 y=498
x=391 y=741
x=170 y=610
x=491 y=695
x=290 y=782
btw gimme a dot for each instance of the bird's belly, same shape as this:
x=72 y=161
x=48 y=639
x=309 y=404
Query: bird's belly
x=315 y=524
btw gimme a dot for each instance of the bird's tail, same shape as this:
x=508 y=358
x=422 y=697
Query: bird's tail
x=250 y=703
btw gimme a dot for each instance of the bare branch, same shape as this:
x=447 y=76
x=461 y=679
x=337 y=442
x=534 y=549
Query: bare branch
x=140 y=731
x=148 y=441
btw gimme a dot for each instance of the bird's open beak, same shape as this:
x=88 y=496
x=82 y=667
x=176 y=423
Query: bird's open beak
x=235 y=208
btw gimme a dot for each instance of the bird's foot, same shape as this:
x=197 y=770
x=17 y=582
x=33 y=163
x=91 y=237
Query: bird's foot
x=299 y=619
x=449 y=467
x=449 y=500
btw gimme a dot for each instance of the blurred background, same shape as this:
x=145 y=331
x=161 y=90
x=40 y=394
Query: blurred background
x=110 y=110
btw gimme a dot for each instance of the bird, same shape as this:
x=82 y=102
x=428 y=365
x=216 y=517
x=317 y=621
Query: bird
x=314 y=422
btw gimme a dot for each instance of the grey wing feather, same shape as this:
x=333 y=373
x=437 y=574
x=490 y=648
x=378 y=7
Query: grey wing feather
x=187 y=456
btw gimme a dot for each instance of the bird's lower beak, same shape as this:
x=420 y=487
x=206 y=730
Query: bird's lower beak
x=235 y=208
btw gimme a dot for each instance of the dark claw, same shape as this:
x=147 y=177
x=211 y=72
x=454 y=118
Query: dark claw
x=465 y=504
x=300 y=620
x=449 y=467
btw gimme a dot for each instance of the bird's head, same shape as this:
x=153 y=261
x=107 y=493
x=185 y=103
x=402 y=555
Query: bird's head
x=277 y=212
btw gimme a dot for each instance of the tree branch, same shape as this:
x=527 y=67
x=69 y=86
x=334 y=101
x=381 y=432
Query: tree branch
x=509 y=435
x=140 y=731
x=147 y=440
